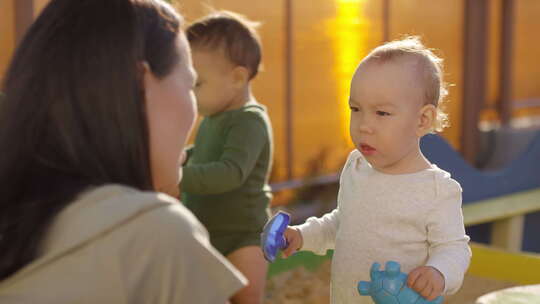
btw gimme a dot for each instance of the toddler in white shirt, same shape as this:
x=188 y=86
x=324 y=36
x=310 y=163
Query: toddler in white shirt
x=393 y=204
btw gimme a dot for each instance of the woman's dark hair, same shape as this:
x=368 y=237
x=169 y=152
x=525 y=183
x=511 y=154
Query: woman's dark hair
x=73 y=115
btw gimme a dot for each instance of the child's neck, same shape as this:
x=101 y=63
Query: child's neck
x=412 y=163
x=244 y=96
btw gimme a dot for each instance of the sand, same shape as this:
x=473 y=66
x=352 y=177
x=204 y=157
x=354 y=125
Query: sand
x=300 y=286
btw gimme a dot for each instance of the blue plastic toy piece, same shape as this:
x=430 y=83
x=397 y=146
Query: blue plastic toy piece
x=389 y=287
x=272 y=239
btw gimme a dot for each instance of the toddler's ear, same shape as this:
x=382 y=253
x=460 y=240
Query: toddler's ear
x=426 y=120
x=240 y=76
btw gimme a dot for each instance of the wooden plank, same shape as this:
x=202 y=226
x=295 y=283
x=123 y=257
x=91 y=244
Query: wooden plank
x=501 y=207
x=508 y=233
x=497 y=264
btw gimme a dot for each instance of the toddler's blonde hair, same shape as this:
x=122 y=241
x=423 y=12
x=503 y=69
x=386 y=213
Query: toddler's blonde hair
x=431 y=67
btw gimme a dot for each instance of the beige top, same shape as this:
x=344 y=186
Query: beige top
x=120 y=245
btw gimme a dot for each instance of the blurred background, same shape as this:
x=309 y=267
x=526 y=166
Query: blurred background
x=310 y=51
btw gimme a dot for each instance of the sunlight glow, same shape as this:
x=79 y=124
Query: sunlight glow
x=349 y=31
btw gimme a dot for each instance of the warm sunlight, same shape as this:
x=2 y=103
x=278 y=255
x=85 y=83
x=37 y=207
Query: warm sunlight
x=349 y=32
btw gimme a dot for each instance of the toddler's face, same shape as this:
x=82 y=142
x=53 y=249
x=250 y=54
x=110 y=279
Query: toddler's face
x=386 y=102
x=215 y=84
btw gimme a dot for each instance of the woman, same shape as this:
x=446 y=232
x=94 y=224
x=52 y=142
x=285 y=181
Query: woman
x=97 y=108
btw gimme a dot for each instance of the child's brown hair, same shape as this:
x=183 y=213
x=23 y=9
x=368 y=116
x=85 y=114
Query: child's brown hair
x=233 y=33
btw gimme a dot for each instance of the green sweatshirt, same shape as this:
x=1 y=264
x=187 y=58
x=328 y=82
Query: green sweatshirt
x=225 y=179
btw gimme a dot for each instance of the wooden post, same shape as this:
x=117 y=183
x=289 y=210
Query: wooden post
x=474 y=74
x=505 y=88
x=386 y=20
x=24 y=16
x=289 y=88
x=508 y=233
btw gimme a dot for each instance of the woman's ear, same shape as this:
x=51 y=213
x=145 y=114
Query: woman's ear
x=145 y=73
x=240 y=76
x=428 y=113
x=149 y=83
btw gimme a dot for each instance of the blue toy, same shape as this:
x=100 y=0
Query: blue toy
x=272 y=239
x=389 y=287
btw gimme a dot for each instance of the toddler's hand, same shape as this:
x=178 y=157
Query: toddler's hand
x=427 y=281
x=294 y=240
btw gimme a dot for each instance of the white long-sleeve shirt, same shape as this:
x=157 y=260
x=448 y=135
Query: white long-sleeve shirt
x=414 y=219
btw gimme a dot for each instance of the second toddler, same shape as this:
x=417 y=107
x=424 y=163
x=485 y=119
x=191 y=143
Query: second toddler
x=225 y=182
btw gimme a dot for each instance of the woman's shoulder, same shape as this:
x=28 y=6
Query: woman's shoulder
x=171 y=245
x=117 y=203
x=128 y=215
x=101 y=210
x=123 y=203
x=146 y=240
